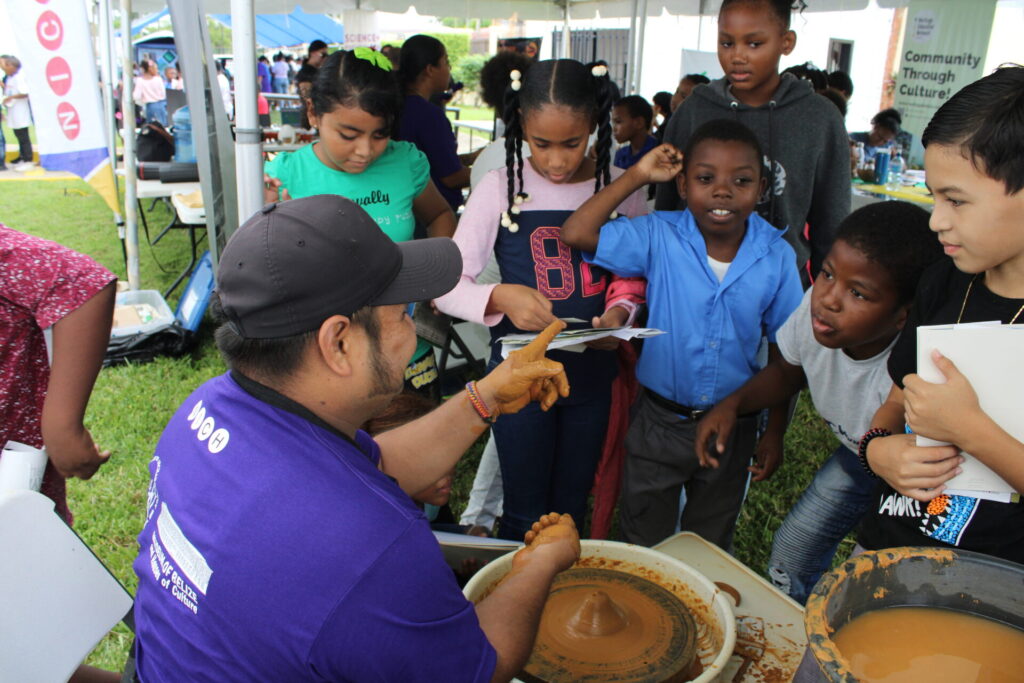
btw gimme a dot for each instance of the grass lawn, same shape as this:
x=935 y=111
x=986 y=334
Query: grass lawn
x=130 y=405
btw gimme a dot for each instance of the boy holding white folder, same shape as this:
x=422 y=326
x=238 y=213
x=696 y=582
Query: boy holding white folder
x=974 y=160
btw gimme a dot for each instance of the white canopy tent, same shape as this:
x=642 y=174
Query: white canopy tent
x=248 y=152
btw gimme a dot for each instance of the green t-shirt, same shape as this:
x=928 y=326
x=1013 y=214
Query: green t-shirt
x=385 y=190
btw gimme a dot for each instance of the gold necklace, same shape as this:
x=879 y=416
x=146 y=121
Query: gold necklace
x=967 y=296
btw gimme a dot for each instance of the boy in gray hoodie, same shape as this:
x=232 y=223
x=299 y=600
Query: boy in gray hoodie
x=803 y=136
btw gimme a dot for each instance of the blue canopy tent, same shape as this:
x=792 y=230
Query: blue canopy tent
x=297 y=28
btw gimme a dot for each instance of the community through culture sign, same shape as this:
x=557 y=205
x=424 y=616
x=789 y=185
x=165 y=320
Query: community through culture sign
x=55 y=49
x=944 y=46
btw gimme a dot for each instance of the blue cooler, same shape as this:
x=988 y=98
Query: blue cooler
x=184 y=151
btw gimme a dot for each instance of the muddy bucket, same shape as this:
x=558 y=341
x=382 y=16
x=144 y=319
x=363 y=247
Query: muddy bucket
x=957 y=580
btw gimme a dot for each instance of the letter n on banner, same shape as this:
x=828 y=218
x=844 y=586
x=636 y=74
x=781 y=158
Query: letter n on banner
x=55 y=49
x=944 y=46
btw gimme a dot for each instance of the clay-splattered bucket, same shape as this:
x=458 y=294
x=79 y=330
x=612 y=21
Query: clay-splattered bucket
x=712 y=611
x=958 y=580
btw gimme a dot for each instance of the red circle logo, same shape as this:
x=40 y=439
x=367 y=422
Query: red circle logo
x=58 y=75
x=67 y=118
x=50 y=30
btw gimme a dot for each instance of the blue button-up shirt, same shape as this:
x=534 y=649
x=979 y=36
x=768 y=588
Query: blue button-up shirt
x=714 y=328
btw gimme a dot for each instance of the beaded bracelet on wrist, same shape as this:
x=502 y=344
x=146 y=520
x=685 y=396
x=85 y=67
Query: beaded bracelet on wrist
x=862 y=449
x=478 y=404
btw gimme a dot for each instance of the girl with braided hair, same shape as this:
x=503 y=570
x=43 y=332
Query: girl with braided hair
x=547 y=459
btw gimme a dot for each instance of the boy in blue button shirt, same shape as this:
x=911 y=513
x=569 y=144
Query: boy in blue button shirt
x=719 y=279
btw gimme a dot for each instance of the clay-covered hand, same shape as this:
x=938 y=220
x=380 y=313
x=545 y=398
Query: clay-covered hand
x=615 y=316
x=916 y=471
x=718 y=423
x=941 y=411
x=553 y=538
x=526 y=375
x=767 y=456
x=74 y=453
x=272 y=190
x=661 y=164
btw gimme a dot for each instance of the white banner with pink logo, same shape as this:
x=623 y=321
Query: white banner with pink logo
x=55 y=49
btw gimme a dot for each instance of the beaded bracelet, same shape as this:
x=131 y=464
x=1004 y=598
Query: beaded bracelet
x=862 y=449
x=478 y=404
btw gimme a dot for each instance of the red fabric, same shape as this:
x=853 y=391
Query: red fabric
x=608 y=479
x=40 y=283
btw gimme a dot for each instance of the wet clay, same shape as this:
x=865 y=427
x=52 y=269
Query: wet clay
x=606 y=625
x=935 y=645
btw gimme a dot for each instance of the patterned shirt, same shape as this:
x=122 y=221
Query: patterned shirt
x=40 y=283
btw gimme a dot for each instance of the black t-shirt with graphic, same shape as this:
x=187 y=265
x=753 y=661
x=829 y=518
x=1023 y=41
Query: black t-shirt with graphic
x=967 y=523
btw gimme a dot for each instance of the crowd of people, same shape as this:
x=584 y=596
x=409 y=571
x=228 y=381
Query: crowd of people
x=283 y=541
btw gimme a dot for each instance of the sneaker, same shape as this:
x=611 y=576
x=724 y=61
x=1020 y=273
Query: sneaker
x=24 y=166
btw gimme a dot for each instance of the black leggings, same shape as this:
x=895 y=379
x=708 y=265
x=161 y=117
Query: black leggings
x=24 y=144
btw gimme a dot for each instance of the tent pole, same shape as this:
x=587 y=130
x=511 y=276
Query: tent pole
x=106 y=54
x=566 y=36
x=631 y=51
x=131 y=212
x=641 y=29
x=248 y=135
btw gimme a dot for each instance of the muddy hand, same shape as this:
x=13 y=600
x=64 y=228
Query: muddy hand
x=552 y=535
x=526 y=375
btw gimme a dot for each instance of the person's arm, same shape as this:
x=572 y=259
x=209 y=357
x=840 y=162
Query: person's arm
x=951 y=412
x=79 y=343
x=666 y=194
x=419 y=453
x=457 y=180
x=915 y=471
x=830 y=198
x=510 y=614
x=582 y=229
x=433 y=211
x=774 y=385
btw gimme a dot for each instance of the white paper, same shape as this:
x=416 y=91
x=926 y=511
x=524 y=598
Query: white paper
x=991 y=357
x=574 y=340
x=21 y=467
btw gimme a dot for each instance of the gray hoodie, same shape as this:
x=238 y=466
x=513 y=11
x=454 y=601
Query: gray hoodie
x=807 y=151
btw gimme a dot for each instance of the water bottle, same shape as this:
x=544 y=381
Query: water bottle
x=184 y=151
x=894 y=177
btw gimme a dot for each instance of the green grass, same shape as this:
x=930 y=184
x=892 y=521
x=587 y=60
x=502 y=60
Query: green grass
x=130 y=405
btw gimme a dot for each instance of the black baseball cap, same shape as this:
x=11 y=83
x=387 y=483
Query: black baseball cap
x=296 y=263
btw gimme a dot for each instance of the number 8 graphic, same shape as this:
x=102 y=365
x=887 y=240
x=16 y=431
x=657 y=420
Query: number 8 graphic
x=543 y=265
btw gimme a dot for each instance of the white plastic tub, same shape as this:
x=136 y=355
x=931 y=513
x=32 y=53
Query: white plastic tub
x=162 y=318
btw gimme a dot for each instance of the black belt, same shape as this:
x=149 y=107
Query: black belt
x=677 y=408
x=685 y=411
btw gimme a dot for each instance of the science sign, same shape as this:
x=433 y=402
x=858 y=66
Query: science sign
x=55 y=49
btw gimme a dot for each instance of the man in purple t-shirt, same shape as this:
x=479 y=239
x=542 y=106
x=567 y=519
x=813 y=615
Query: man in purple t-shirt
x=263 y=72
x=280 y=542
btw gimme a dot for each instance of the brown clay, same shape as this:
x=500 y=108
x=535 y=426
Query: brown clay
x=603 y=624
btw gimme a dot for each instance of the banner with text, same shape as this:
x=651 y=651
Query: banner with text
x=944 y=46
x=55 y=49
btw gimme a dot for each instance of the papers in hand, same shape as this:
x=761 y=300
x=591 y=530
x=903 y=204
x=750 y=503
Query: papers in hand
x=575 y=340
x=989 y=356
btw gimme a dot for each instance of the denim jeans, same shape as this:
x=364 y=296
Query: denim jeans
x=548 y=459
x=838 y=497
x=280 y=85
x=157 y=111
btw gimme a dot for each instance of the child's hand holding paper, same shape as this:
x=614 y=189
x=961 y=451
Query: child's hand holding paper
x=614 y=317
x=942 y=411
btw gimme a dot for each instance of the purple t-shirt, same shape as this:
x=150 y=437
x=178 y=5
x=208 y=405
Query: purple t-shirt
x=263 y=71
x=426 y=126
x=275 y=549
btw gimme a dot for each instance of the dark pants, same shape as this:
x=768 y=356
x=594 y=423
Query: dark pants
x=24 y=144
x=661 y=460
x=548 y=459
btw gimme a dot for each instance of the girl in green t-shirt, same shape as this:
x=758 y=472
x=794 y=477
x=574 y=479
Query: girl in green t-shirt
x=355 y=104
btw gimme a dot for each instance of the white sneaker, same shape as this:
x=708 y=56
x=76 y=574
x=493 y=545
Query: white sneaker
x=24 y=166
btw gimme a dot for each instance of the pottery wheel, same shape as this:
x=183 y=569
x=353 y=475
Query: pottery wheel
x=606 y=625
